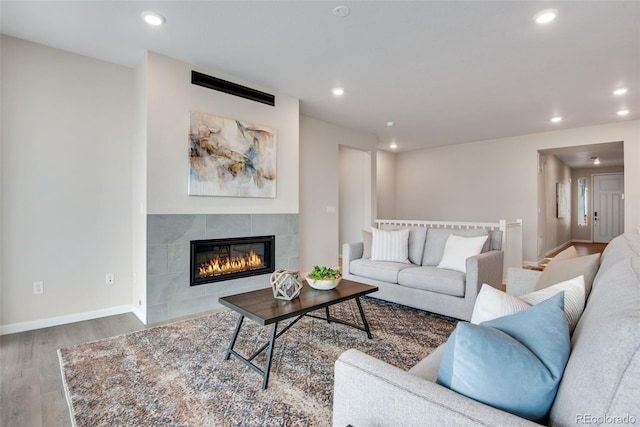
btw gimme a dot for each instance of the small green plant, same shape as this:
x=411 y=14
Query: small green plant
x=324 y=273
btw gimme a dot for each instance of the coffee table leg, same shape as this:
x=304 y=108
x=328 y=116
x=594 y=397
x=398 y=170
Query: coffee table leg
x=328 y=315
x=364 y=319
x=235 y=336
x=267 y=367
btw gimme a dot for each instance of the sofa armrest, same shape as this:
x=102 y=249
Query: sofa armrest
x=521 y=281
x=351 y=251
x=484 y=268
x=370 y=392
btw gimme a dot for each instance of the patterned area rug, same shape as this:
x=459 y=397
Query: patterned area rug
x=176 y=375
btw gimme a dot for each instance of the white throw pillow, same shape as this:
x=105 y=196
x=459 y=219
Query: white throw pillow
x=390 y=245
x=458 y=249
x=492 y=303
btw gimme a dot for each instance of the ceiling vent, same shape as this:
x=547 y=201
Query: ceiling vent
x=232 y=88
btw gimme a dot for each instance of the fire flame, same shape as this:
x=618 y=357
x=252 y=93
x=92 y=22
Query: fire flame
x=218 y=266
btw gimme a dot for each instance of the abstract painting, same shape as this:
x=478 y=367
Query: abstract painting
x=232 y=158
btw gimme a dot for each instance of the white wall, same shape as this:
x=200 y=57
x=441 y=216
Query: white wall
x=139 y=191
x=386 y=185
x=319 y=187
x=498 y=179
x=354 y=189
x=66 y=183
x=170 y=98
x=557 y=230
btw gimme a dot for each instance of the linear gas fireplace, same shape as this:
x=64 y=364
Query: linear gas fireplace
x=215 y=260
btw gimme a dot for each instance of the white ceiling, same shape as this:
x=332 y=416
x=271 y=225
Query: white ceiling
x=446 y=72
x=610 y=154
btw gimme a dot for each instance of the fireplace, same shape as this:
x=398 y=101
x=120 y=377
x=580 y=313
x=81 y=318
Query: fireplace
x=215 y=260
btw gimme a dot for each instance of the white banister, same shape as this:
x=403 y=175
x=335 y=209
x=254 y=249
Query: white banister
x=512 y=244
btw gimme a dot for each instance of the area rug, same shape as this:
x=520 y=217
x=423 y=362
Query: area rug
x=176 y=375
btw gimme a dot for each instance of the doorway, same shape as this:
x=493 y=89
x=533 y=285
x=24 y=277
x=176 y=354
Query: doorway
x=608 y=206
x=575 y=168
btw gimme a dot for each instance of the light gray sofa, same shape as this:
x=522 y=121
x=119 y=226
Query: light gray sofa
x=420 y=284
x=600 y=384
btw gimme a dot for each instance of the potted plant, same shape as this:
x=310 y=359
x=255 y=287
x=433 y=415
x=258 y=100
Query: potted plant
x=323 y=277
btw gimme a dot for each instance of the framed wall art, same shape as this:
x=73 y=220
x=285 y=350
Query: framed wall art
x=562 y=200
x=231 y=158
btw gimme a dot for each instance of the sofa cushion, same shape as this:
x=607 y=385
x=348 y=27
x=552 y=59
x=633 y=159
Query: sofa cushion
x=437 y=239
x=602 y=376
x=564 y=269
x=442 y=281
x=417 y=237
x=392 y=245
x=428 y=367
x=379 y=270
x=568 y=253
x=513 y=363
x=367 y=236
x=458 y=249
x=625 y=246
x=494 y=243
x=492 y=303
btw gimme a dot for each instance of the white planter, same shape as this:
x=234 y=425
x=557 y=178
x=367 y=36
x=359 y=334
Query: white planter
x=323 y=284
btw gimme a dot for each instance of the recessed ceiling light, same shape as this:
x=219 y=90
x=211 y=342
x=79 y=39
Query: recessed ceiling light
x=620 y=91
x=341 y=11
x=596 y=160
x=337 y=91
x=390 y=124
x=556 y=119
x=623 y=112
x=393 y=145
x=153 y=18
x=545 y=16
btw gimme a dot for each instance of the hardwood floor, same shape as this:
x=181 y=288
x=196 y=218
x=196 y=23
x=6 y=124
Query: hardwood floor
x=31 y=390
x=32 y=394
x=584 y=248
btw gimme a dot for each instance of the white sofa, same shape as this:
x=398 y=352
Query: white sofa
x=600 y=384
x=420 y=283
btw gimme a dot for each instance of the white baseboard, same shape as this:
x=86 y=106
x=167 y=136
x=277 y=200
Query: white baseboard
x=581 y=241
x=557 y=248
x=140 y=314
x=63 y=320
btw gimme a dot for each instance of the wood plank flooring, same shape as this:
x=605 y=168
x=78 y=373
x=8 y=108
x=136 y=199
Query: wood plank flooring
x=31 y=392
x=584 y=248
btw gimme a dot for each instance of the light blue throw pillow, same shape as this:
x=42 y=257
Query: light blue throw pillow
x=513 y=363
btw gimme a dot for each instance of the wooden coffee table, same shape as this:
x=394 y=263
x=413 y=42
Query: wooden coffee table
x=261 y=307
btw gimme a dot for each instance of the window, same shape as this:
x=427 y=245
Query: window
x=583 y=209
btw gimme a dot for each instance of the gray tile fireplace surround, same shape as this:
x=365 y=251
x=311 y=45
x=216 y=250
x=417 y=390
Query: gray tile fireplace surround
x=169 y=295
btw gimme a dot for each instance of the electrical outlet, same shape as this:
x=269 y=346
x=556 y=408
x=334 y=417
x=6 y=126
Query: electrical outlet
x=38 y=287
x=109 y=279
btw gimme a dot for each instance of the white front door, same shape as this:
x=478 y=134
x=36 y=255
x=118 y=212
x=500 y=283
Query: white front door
x=608 y=206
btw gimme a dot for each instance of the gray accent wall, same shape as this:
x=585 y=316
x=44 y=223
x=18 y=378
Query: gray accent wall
x=169 y=294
